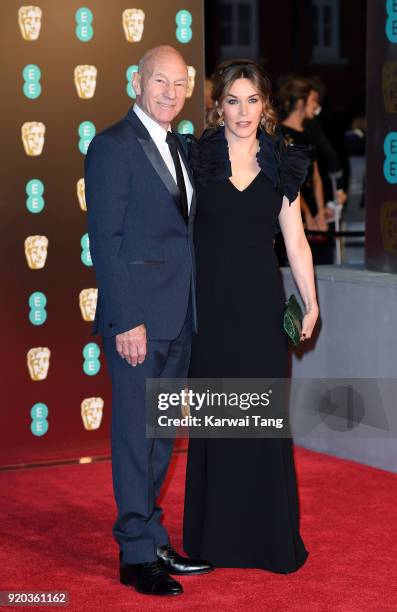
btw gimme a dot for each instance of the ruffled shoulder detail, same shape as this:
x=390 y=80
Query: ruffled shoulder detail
x=294 y=165
x=209 y=156
x=269 y=156
x=285 y=165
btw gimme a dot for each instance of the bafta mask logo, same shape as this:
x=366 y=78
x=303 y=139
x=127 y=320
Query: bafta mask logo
x=388 y=225
x=191 y=80
x=389 y=86
x=85 y=81
x=133 y=24
x=38 y=360
x=33 y=137
x=87 y=300
x=36 y=248
x=91 y=412
x=29 y=19
x=81 y=194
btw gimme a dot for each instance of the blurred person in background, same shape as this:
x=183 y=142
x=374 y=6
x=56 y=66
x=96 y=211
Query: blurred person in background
x=297 y=102
x=329 y=165
x=328 y=160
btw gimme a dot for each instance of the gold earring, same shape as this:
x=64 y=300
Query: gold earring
x=221 y=122
x=262 y=122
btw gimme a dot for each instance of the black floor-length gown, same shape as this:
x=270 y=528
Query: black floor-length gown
x=241 y=502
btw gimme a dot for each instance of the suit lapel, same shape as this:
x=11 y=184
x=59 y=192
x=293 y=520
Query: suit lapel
x=155 y=158
x=153 y=154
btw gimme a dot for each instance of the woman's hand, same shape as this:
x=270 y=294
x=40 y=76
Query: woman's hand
x=308 y=323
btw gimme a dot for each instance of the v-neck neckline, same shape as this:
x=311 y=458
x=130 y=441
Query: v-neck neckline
x=247 y=187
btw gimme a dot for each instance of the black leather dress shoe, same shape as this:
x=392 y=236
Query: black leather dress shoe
x=175 y=564
x=149 y=578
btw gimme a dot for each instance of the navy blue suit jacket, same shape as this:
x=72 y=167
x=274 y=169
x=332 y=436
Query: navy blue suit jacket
x=141 y=247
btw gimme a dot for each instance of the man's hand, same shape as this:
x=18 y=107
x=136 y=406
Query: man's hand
x=131 y=345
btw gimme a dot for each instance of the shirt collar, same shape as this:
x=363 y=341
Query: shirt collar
x=155 y=130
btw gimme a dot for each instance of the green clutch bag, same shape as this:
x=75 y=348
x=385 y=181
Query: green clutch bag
x=293 y=317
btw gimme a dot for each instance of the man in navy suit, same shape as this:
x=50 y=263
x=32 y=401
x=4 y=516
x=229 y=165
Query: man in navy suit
x=141 y=207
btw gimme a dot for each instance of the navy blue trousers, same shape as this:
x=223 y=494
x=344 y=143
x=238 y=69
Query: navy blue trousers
x=139 y=464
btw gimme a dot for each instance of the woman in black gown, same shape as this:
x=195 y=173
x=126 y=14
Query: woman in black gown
x=241 y=503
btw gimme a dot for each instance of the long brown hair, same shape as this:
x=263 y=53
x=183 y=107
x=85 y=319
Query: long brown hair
x=224 y=77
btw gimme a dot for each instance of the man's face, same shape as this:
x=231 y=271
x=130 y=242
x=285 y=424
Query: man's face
x=161 y=88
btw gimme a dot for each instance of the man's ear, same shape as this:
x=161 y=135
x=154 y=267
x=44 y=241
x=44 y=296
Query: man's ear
x=136 y=83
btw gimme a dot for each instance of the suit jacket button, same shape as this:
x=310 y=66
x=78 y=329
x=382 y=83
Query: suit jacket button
x=110 y=324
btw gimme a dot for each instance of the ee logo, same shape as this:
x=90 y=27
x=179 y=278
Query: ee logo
x=391 y=21
x=128 y=75
x=390 y=163
x=183 y=21
x=34 y=190
x=85 y=252
x=91 y=365
x=37 y=303
x=87 y=132
x=84 y=29
x=31 y=75
x=39 y=424
x=185 y=127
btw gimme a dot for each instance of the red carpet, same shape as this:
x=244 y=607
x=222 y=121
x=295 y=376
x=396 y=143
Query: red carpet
x=55 y=535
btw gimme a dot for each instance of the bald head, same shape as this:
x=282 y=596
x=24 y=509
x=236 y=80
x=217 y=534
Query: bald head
x=162 y=52
x=161 y=84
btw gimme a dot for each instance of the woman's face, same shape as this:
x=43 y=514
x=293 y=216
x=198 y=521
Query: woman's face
x=312 y=104
x=242 y=108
